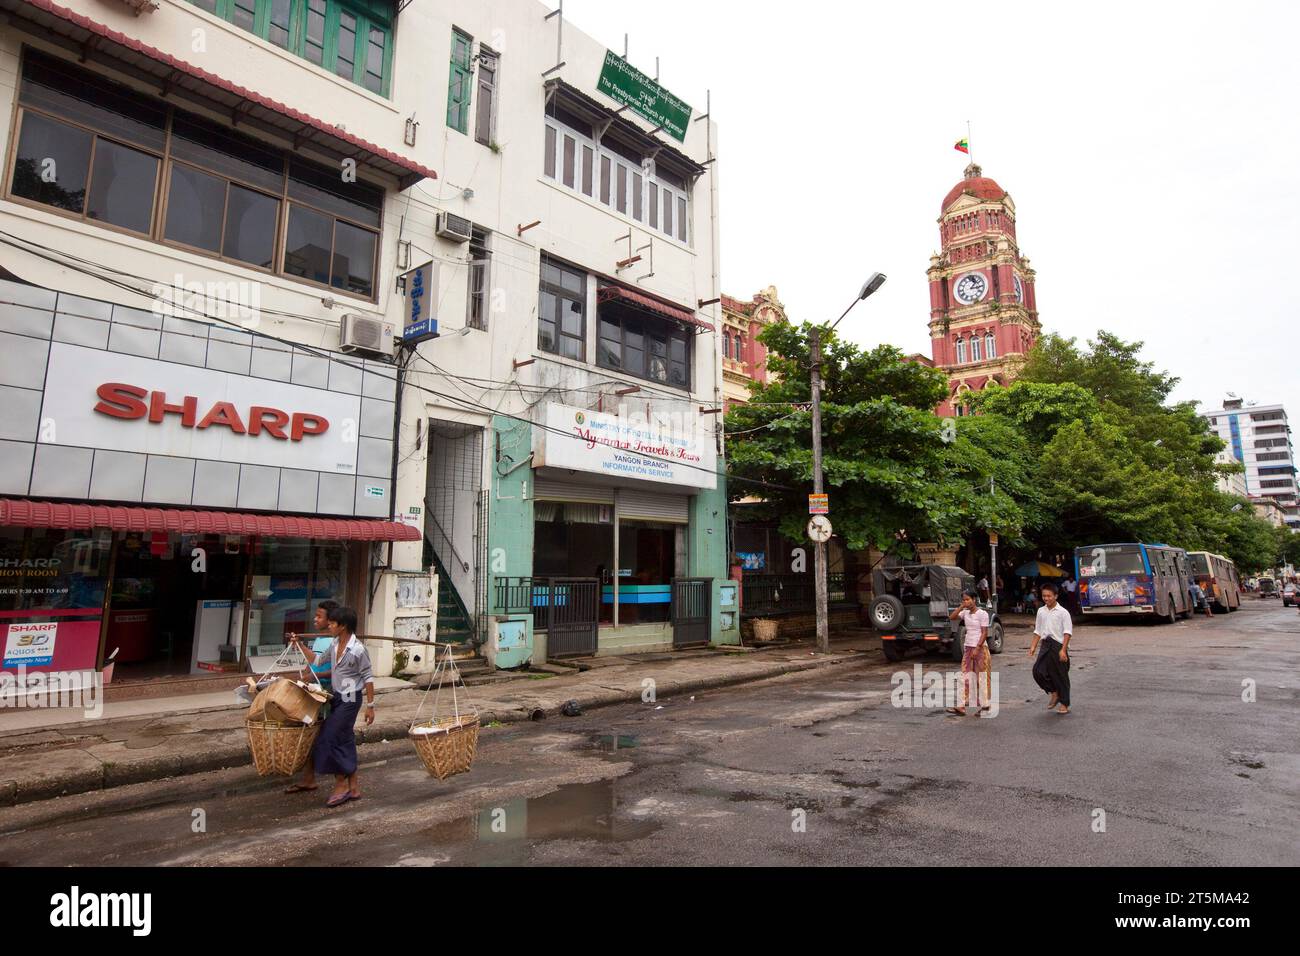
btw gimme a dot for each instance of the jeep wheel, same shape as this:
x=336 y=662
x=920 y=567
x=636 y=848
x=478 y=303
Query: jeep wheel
x=893 y=650
x=1172 y=616
x=886 y=613
x=995 y=639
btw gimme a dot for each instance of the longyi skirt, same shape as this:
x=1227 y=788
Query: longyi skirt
x=336 y=747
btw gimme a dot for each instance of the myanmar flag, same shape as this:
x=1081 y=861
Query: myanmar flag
x=962 y=146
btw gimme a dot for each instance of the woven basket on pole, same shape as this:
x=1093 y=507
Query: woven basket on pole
x=446 y=743
x=280 y=747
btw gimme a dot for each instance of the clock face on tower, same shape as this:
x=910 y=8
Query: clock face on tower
x=971 y=288
x=1020 y=290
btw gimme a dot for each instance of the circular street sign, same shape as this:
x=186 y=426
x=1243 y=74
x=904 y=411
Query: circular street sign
x=819 y=528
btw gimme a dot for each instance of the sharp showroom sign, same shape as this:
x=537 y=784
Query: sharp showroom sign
x=97 y=399
x=672 y=449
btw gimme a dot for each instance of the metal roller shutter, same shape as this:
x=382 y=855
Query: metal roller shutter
x=648 y=505
x=553 y=489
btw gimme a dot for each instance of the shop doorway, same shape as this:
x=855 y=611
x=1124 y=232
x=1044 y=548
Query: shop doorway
x=575 y=540
x=650 y=554
x=161 y=585
x=178 y=601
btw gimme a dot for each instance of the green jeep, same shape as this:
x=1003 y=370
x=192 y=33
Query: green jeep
x=911 y=605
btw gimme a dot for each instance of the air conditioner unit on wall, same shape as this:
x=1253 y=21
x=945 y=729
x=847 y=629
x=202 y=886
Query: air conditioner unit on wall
x=455 y=228
x=362 y=333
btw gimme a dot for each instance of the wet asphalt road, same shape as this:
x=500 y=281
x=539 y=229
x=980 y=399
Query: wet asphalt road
x=1160 y=741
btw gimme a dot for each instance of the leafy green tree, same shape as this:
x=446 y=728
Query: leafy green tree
x=895 y=472
x=1113 y=460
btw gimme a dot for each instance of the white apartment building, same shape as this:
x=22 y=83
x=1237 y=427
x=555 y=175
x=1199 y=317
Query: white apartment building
x=194 y=195
x=1259 y=437
x=214 y=215
x=561 y=440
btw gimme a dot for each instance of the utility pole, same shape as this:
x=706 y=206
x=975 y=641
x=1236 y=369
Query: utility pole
x=993 y=560
x=819 y=555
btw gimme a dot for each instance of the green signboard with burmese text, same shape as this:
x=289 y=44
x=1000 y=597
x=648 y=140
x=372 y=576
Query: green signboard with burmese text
x=622 y=81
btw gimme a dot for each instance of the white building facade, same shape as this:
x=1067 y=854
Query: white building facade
x=194 y=197
x=561 y=441
x=1259 y=437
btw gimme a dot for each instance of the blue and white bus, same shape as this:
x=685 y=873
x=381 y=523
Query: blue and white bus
x=1149 y=580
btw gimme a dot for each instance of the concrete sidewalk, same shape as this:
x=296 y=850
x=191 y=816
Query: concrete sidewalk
x=50 y=756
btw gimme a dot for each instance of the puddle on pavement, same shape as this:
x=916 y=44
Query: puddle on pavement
x=615 y=741
x=507 y=833
x=579 y=811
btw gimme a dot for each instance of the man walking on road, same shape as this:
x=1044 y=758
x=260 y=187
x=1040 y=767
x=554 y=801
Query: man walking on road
x=1054 y=629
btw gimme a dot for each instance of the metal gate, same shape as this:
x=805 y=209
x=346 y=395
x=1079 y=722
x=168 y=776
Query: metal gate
x=569 y=609
x=692 y=609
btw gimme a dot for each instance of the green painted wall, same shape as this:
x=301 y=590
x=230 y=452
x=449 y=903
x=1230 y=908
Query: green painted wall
x=708 y=547
x=510 y=516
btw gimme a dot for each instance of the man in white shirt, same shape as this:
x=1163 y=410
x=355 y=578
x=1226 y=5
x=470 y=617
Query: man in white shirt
x=1053 y=628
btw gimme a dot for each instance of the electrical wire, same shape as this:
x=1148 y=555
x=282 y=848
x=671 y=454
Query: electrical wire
x=465 y=403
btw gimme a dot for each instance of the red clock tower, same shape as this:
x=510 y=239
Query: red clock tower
x=983 y=313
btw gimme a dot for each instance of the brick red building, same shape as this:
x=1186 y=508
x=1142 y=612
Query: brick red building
x=983 y=308
x=744 y=357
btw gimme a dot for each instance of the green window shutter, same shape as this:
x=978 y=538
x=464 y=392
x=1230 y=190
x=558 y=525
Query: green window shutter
x=315 y=28
x=459 y=82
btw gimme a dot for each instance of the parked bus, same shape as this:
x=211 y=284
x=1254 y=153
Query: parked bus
x=1218 y=577
x=1138 y=579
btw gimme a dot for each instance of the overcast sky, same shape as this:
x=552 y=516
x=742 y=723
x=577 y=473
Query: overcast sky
x=1151 y=149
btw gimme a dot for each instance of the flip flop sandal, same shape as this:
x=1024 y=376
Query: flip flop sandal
x=354 y=795
x=299 y=788
x=957 y=711
x=338 y=801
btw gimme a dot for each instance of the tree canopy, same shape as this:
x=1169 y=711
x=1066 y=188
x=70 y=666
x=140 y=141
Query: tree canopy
x=895 y=472
x=1083 y=447
x=1115 y=461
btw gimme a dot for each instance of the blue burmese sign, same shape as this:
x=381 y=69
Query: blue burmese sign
x=420 y=324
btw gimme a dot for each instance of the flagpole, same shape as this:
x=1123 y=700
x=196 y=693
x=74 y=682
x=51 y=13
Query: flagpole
x=970 y=150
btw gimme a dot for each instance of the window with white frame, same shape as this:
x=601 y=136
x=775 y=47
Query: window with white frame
x=611 y=171
x=990 y=346
x=961 y=351
x=975 y=350
x=479 y=292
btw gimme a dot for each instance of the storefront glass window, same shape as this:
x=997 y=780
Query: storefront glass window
x=46 y=578
x=289 y=578
x=45 y=569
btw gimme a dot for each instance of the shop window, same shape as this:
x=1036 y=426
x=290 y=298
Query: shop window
x=289 y=578
x=225 y=194
x=562 y=310
x=350 y=39
x=459 y=81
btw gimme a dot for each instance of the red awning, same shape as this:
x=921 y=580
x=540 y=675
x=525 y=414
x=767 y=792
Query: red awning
x=180 y=76
x=46 y=514
x=617 y=293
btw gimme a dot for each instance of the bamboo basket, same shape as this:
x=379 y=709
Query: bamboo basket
x=280 y=747
x=766 y=629
x=446 y=743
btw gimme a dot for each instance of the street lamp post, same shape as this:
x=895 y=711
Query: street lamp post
x=819 y=555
